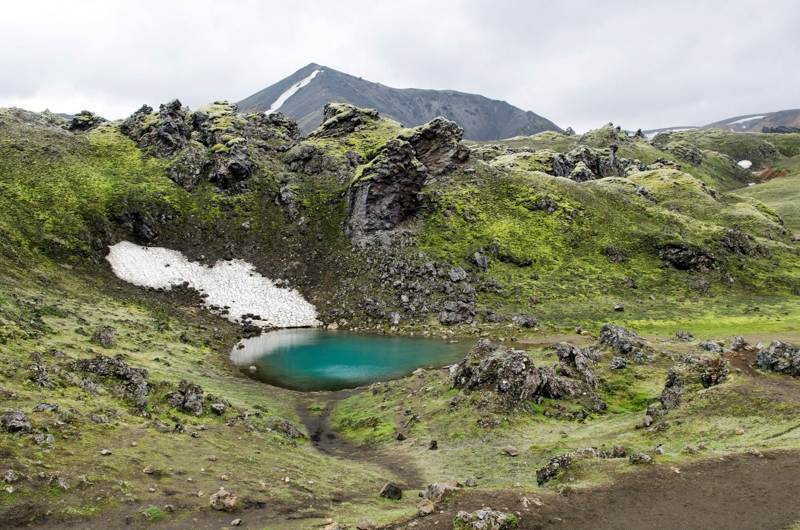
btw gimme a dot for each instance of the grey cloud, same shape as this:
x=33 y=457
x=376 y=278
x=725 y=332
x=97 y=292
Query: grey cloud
x=579 y=63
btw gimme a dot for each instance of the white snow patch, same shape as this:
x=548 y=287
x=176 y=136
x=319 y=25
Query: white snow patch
x=745 y=120
x=746 y=164
x=249 y=350
x=234 y=284
x=291 y=92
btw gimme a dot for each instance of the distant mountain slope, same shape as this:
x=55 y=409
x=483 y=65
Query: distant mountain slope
x=482 y=118
x=755 y=122
x=746 y=123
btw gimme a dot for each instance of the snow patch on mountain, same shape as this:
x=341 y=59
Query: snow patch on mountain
x=291 y=92
x=230 y=288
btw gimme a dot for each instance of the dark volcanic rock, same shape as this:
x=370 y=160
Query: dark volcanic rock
x=189 y=398
x=620 y=340
x=85 y=121
x=163 y=134
x=553 y=468
x=574 y=363
x=385 y=191
x=687 y=257
x=391 y=491
x=781 y=358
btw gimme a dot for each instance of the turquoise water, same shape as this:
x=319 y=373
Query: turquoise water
x=306 y=360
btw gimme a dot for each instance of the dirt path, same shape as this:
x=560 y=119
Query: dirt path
x=325 y=440
x=739 y=492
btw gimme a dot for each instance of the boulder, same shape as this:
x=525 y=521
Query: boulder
x=104 y=336
x=46 y=407
x=224 y=500
x=618 y=363
x=525 y=321
x=391 y=491
x=510 y=450
x=640 y=458
x=425 y=507
x=620 y=340
x=15 y=421
x=366 y=524
x=188 y=398
x=574 y=363
x=439 y=492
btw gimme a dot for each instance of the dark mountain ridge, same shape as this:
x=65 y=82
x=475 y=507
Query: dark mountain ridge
x=482 y=118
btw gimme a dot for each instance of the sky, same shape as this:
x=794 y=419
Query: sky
x=638 y=64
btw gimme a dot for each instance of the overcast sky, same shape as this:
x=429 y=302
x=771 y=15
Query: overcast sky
x=641 y=63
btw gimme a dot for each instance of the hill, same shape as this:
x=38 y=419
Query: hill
x=302 y=95
x=123 y=403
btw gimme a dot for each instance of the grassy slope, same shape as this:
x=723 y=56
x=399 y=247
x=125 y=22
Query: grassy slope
x=781 y=194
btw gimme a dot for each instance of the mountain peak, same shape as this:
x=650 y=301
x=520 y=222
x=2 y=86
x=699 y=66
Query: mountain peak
x=303 y=95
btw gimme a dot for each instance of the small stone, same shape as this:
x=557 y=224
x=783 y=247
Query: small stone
x=471 y=482
x=105 y=452
x=391 y=491
x=332 y=526
x=236 y=522
x=10 y=477
x=134 y=444
x=425 y=507
x=366 y=524
x=252 y=369
x=755 y=452
x=619 y=307
x=739 y=431
x=510 y=450
x=224 y=477
x=433 y=445
x=149 y=470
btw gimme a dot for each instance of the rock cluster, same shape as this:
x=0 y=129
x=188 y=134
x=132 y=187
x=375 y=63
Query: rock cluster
x=134 y=380
x=188 y=398
x=686 y=257
x=781 y=358
x=214 y=142
x=623 y=342
x=559 y=463
x=485 y=519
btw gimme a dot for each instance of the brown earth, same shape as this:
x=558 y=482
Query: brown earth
x=737 y=492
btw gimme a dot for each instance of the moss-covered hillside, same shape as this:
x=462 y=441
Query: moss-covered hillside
x=384 y=230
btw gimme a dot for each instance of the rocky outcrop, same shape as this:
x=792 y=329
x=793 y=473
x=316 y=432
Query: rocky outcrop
x=162 y=134
x=574 y=363
x=511 y=376
x=385 y=192
x=224 y=500
x=686 y=257
x=341 y=118
x=780 y=358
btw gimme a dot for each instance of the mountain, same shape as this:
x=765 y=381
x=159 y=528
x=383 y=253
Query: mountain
x=302 y=96
x=746 y=123
x=755 y=122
